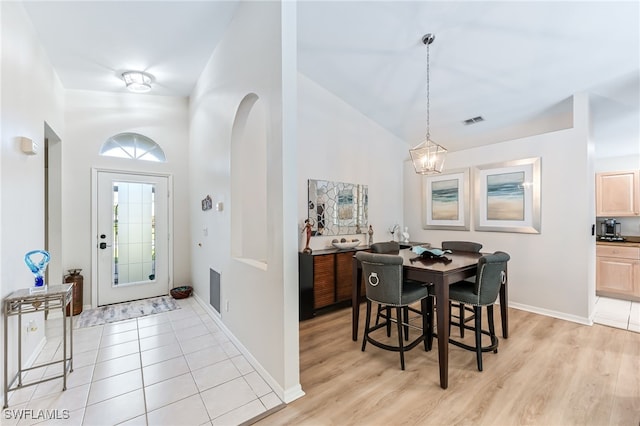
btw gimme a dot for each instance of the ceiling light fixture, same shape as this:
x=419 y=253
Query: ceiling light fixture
x=428 y=156
x=137 y=81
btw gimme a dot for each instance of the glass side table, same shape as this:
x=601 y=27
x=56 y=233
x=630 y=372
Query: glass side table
x=24 y=302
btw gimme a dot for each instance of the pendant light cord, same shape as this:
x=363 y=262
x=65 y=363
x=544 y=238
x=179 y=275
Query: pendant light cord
x=428 y=93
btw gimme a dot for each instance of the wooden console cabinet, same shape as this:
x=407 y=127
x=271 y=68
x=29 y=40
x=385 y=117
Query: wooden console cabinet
x=324 y=279
x=618 y=271
x=618 y=194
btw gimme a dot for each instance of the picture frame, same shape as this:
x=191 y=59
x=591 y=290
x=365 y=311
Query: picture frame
x=507 y=196
x=446 y=200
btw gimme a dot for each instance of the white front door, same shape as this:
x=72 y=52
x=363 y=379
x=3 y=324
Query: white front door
x=132 y=237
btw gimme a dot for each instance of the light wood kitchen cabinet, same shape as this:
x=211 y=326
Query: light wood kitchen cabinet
x=618 y=194
x=618 y=271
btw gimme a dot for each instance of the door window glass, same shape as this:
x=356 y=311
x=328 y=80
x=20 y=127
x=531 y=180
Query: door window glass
x=134 y=236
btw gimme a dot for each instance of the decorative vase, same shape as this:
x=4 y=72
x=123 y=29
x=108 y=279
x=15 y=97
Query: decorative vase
x=74 y=277
x=37 y=269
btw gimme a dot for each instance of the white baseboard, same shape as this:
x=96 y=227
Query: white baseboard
x=58 y=313
x=553 y=314
x=286 y=395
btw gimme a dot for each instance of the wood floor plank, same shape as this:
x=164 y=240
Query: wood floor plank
x=549 y=372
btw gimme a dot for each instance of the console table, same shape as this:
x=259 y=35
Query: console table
x=22 y=302
x=324 y=279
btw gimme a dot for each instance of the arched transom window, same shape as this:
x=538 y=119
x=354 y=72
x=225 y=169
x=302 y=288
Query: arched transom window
x=134 y=146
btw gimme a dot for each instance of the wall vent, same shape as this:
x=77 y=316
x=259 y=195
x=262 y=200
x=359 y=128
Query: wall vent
x=214 y=289
x=473 y=120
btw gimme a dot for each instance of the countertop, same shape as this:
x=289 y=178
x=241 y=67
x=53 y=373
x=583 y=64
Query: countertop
x=629 y=242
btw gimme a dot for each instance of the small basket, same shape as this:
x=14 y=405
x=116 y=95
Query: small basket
x=181 y=292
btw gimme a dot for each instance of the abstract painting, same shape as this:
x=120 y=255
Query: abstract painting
x=446 y=200
x=505 y=196
x=508 y=196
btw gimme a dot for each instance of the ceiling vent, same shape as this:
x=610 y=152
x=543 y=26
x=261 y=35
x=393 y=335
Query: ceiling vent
x=473 y=120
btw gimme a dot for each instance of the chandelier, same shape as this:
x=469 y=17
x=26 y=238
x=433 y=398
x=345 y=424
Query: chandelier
x=428 y=156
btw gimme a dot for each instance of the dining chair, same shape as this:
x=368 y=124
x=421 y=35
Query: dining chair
x=385 y=286
x=492 y=273
x=385 y=247
x=469 y=246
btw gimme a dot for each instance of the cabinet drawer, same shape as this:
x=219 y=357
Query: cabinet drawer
x=618 y=251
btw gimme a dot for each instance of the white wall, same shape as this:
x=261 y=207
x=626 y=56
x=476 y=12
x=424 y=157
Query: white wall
x=550 y=272
x=91 y=118
x=31 y=95
x=262 y=297
x=338 y=143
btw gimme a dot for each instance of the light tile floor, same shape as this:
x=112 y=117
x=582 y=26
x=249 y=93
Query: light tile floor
x=175 y=368
x=618 y=313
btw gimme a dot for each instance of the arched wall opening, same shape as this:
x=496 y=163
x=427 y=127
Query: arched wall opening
x=249 y=181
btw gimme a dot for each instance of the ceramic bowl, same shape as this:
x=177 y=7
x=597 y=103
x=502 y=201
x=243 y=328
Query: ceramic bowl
x=347 y=245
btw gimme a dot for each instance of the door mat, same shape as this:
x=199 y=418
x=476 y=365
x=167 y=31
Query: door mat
x=125 y=311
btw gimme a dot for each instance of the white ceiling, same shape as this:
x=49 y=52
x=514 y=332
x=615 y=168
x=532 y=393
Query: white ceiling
x=515 y=63
x=90 y=43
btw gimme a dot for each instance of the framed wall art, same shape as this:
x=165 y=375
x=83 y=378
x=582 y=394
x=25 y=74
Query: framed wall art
x=446 y=200
x=507 y=196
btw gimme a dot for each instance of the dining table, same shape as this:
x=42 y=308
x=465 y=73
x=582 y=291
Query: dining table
x=439 y=272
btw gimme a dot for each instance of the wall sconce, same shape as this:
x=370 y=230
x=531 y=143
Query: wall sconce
x=28 y=146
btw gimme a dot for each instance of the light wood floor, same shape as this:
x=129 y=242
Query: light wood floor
x=549 y=372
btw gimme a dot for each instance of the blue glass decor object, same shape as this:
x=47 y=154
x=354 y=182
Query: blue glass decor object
x=37 y=268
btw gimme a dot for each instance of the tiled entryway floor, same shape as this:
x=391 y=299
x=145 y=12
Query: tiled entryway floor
x=618 y=313
x=175 y=368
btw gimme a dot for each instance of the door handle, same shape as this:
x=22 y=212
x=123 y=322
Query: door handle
x=104 y=245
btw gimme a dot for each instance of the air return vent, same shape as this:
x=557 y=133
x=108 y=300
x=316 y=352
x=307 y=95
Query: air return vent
x=473 y=120
x=214 y=289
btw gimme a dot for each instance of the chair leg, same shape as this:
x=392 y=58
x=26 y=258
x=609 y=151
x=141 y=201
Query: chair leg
x=400 y=340
x=492 y=329
x=449 y=317
x=430 y=304
x=367 y=323
x=405 y=311
x=388 y=310
x=427 y=328
x=478 y=331
x=461 y=317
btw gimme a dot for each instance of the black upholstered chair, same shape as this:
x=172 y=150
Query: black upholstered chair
x=492 y=273
x=385 y=286
x=386 y=247
x=462 y=246
x=469 y=246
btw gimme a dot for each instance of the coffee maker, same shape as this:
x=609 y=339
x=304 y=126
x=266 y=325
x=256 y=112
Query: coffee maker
x=610 y=230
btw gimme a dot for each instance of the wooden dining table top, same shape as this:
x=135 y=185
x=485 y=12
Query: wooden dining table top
x=448 y=263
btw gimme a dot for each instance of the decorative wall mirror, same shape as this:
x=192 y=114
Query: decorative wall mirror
x=338 y=208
